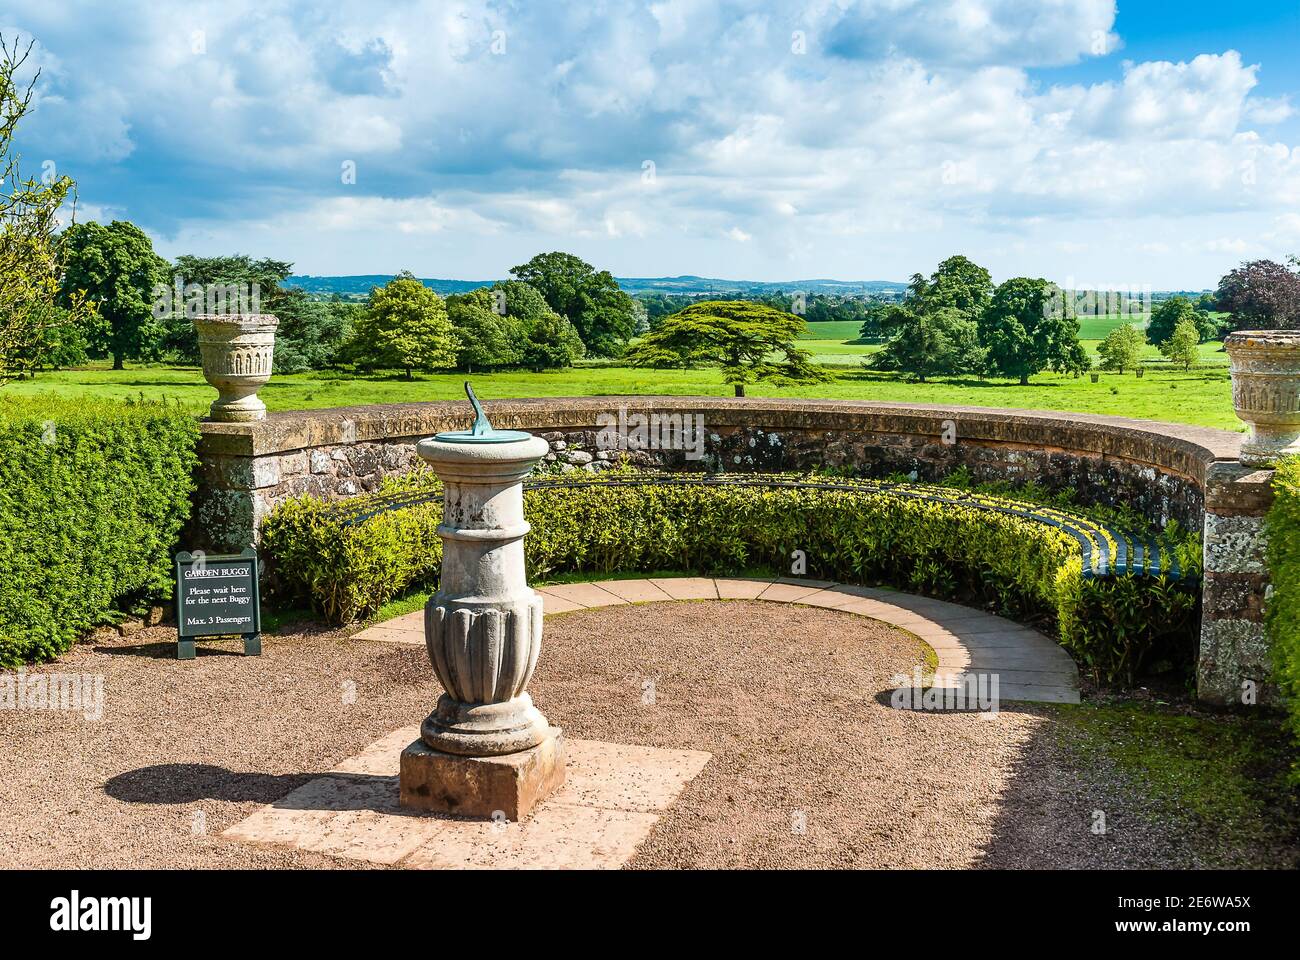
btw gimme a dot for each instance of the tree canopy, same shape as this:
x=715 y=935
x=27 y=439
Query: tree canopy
x=1167 y=315
x=937 y=342
x=1122 y=348
x=1025 y=331
x=115 y=267
x=603 y=314
x=405 y=327
x=1261 y=295
x=1181 y=345
x=34 y=329
x=739 y=336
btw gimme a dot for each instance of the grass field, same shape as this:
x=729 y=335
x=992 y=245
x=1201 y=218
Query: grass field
x=1200 y=396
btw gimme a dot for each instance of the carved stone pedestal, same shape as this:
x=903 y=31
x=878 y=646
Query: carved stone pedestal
x=1266 y=392
x=485 y=747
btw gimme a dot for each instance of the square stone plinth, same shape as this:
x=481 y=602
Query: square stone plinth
x=613 y=794
x=511 y=785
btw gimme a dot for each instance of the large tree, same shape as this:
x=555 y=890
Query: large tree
x=487 y=336
x=938 y=342
x=34 y=330
x=1181 y=345
x=1122 y=348
x=602 y=313
x=739 y=336
x=404 y=327
x=115 y=267
x=1261 y=295
x=520 y=301
x=1026 y=330
x=551 y=342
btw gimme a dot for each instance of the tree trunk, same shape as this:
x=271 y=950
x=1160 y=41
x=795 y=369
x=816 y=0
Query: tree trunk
x=740 y=389
x=409 y=375
x=117 y=363
x=1024 y=379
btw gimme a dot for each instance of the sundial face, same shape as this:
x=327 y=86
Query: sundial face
x=482 y=431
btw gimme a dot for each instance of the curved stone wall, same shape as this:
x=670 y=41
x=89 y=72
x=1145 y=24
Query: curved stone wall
x=1165 y=471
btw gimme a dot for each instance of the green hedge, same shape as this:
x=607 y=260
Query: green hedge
x=346 y=563
x=93 y=495
x=1283 y=528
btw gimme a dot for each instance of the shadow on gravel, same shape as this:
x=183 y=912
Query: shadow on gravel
x=164 y=651
x=914 y=699
x=190 y=782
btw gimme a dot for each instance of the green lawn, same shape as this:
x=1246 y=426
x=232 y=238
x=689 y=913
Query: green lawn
x=1199 y=396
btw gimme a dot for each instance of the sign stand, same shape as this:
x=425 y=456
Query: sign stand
x=217 y=596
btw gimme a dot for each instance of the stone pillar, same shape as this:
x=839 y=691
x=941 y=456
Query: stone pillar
x=1233 y=663
x=485 y=748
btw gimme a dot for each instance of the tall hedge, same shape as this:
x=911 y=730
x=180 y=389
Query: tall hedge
x=1283 y=527
x=93 y=494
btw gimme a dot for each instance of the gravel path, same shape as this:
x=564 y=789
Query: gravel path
x=810 y=768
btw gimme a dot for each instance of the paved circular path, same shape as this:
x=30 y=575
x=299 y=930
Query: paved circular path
x=1028 y=665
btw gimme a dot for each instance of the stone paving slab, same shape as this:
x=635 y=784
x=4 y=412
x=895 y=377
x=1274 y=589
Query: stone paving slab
x=687 y=588
x=788 y=592
x=635 y=591
x=386 y=634
x=584 y=594
x=737 y=589
x=612 y=797
x=556 y=837
x=552 y=603
x=1038 y=692
x=1009 y=677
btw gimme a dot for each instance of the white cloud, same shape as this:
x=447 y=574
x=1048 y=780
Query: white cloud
x=1269 y=110
x=906 y=125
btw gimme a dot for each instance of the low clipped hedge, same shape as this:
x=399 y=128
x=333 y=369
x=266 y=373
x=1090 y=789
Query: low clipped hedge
x=346 y=560
x=1283 y=557
x=93 y=495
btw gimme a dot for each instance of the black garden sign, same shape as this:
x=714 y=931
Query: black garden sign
x=217 y=596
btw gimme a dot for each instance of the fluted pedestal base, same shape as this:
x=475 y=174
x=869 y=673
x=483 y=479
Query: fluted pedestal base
x=484 y=729
x=507 y=786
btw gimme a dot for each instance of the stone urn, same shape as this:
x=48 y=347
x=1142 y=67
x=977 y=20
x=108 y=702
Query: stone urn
x=1266 y=392
x=237 y=351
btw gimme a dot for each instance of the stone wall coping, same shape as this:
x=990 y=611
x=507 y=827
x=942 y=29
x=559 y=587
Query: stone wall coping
x=1184 y=449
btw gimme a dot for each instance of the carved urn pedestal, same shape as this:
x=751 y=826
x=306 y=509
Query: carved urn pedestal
x=485 y=750
x=1266 y=392
x=237 y=352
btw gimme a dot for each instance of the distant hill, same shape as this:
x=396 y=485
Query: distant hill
x=360 y=285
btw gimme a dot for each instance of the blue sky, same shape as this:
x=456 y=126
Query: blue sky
x=1151 y=145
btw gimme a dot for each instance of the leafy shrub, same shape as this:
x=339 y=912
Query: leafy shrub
x=324 y=554
x=92 y=497
x=346 y=563
x=1283 y=528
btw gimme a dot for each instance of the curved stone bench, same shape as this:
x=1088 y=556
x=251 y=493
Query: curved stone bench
x=1029 y=666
